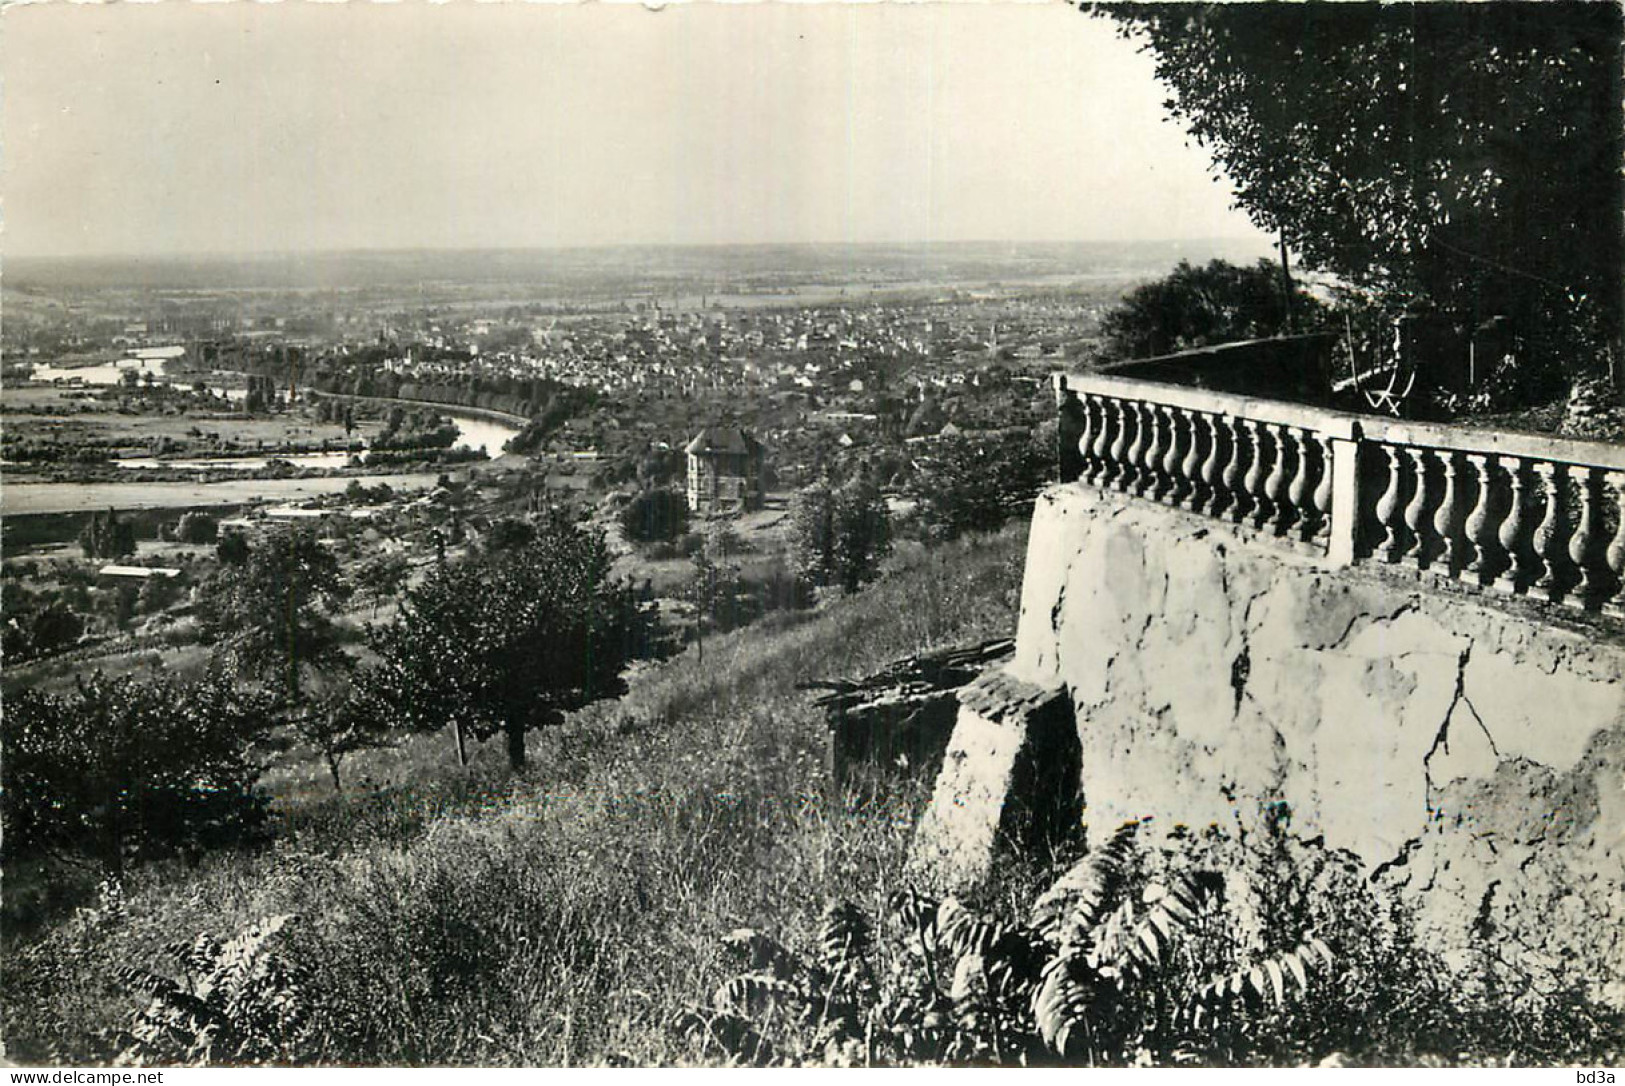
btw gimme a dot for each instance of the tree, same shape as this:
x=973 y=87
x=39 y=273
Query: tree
x=840 y=535
x=506 y=533
x=655 y=516
x=232 y=549
x=1461 y=155
x=382 y=577
x=127 y=769
x=197 y=528
x=273 y=619
x=108 y=536
x=338 y=723
x=975 y=484
x=1199 y=306
x=509 y=642
x=714 y=586
x=36 y=625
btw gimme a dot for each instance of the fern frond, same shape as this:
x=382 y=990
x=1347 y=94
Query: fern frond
x=762 y=953
x=970 y=993
x=733 y=1034
x=1080 y=898
x=1264 y=981
x=1137 y=937
x=963 y=931
x=1015 y=963
x=1062 y=1002
x=754 y=994
x=917 y=914
x=844 y=938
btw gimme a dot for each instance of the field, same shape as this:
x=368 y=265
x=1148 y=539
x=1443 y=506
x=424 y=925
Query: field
x=564 y=916
x=26 y=499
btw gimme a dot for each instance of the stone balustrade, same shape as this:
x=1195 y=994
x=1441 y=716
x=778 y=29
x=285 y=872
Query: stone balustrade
x=1527 y=515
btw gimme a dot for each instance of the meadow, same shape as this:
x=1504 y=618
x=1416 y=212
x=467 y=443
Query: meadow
x=566 y=915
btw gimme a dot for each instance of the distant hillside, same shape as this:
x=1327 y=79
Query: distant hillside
x=632 y=268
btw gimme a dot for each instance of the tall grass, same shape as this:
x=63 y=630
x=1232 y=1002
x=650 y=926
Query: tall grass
x=565 y=915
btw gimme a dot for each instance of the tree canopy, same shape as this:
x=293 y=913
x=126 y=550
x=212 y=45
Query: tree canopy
x=840 y=534
x=975 y=484
x=510 y=641
x=1195 y=306
x=1464 y=156
x=127 y=769
x=273 y=617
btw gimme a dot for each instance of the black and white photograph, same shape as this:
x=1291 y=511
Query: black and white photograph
x=812 y=535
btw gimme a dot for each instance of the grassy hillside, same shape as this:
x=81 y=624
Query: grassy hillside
x=563 y=916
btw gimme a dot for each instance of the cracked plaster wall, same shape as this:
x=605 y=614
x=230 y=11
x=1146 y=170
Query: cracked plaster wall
x=1470 y=753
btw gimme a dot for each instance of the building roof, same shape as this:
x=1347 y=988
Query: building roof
x=722 y=439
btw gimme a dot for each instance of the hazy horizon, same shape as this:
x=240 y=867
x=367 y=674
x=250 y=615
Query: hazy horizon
x=220 y=130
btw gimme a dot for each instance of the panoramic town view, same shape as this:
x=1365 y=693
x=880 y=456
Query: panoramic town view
x=812 y=535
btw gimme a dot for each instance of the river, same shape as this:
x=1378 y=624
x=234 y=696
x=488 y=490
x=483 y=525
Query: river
x=23 y=499
x=473 y=433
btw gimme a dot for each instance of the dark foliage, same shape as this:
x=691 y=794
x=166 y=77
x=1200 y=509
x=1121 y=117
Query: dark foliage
x=273 y=617
x=128 y=769
x=840 y=534
x=655 y=516
x=197 y=528
x=975 y=484
x=1199 y=306
x=108 y=536
x=509 y=642
x=1462 y=156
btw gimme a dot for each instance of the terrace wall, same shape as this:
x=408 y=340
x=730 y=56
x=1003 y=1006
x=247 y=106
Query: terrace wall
x=1246 y=603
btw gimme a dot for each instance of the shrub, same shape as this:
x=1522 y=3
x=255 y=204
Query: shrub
x=840 y=535
x=126 y=769
x=236 y=1002
x=232 y=549
x=1198 y=306
x=1117 y=962
x=197 y=528
x=655 y=516
x=976 y=484
x=108 y=536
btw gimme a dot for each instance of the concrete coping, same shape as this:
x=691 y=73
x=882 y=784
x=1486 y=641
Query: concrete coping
x=1601 y=454
x=997 y=694
x=1334 y=424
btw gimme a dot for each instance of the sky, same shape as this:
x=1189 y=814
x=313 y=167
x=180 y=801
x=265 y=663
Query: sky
x=169 y=128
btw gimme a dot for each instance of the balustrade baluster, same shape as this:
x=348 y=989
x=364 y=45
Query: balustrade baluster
x=1298 y=491
x=1174 y=482
x=1548 y=553
x=1134 y=459
x=1444 y=517
x=1521 y=565
x=1322 y=497
x=1416 y=523
x=1615 y=555
x=1480 y=528
x=1393 y=531
x=1580 y=543
x=1120 y=470
x=1220 y=455
x=1275 y=485
x=1191 y=469
x=1253 y=482
x=1150 y=482
x=1086 y=405
x=1110 y=424
x=1240 y=502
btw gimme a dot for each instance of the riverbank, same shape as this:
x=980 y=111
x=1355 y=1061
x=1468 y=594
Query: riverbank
x=33 y=499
